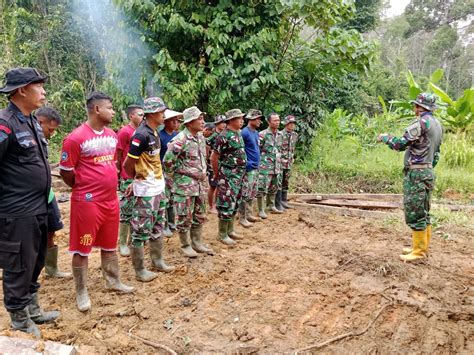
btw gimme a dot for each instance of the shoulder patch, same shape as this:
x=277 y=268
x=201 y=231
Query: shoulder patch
x=5 y=129
x=414 y=130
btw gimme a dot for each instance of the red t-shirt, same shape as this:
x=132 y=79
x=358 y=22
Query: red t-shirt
x=124 y=136
x=92 y=157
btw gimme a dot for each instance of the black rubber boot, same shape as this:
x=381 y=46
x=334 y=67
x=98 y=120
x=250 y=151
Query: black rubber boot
x=21 y=321
x=278 y=204
x=284 y=200
x=39 y=316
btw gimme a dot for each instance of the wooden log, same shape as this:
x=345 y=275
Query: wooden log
x=345 y=211
x=362 y=204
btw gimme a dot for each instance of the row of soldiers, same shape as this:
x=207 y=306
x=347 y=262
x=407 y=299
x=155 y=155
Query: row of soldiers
x=241 y=165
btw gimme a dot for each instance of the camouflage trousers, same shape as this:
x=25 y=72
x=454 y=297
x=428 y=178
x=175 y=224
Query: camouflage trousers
x=168 y=192
x=418 y=185
x=249 y=185
x=126 y=203
x=148 y=218
x=268 y=184
x=190 y=210
x=285 y=179
x=229 y=192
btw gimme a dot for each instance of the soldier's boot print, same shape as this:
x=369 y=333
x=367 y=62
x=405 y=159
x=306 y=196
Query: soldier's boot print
x=419 y=246
x=428 y=240
x=124 y=234
x=223 y=237
x=231 y=232
x=83 y=301
x=141 y=273
x=271 y=200
x=186 y=244
x=196 y=241
x=51 y=264
x=243 y=215
x=156 y=255
x=249 y=212
x=111 y=274
x=21 y=321
x=38 y=315
x=278 y=204
x=261 y=207
x=284 y=200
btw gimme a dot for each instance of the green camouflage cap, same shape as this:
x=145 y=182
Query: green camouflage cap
x=254 y=114
x=234 y=113
x=219 y=118
x=425 y=100
x=153 y=104
x=289 y=119
x=190 y=114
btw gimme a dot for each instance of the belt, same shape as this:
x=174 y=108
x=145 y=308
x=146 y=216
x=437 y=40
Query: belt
x=420 y=166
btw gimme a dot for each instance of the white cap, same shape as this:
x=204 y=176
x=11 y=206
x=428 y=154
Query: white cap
x=172 y=114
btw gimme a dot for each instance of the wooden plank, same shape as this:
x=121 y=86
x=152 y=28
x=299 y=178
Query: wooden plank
x=363 y=204
x=345 y=211
x=376 y=197
x=11 y=345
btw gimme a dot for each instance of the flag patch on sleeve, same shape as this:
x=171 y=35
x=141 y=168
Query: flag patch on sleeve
x=136 y=142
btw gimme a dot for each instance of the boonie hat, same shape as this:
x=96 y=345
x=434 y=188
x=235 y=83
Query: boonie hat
x=19 y=77
x=425 y=100
x=190 y=114
x=172 y=114
x=234 y=113
x=289 y=119
x=219 y=119
x=254 y=114
x=153 y=104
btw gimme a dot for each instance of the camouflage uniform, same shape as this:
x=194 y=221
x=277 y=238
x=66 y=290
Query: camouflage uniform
x=288 y=146
x=232 y=159
x=270 y=162
x=148 y=218
x=185 y=164
x=126 y=203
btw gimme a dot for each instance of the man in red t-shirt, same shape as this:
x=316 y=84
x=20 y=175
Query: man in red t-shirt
x=88 y=166
x=135 y=115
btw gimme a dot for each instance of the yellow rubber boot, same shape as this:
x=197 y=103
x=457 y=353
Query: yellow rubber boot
x=419 y=246
x=428 y=239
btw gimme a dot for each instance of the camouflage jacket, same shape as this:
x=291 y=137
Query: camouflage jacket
x=421 y=141
x=288 y=146
x=270 y=156
x=231 y=149
x=185 y=164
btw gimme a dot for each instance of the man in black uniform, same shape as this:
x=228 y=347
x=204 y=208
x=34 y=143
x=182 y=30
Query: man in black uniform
x=25 y=181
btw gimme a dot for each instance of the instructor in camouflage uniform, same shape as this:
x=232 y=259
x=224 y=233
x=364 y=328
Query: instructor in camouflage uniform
x=421 y=142
x=148 y=186
x=219 y=126
x=228 y=163
x=185 y=165
x=288 y=146
x=268 y=180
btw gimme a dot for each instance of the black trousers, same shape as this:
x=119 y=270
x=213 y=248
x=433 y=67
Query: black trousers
x=23 y=243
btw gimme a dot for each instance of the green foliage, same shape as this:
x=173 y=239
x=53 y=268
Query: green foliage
x=458 y=151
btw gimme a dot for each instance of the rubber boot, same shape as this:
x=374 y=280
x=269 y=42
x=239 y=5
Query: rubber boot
x=261 y=207
x=124 y=232
x=222 y=236
x=428 y=240
x=284 y=200
x=21 y=321
x=243 y=216
x=51 y=264
x=196 y=240
x=278 y=205
x=170 y=218
x=39 y=316
x=231 y=232
x=250 y=216
x=111 y=274
x=272 y=207
x=167 y=231
x=156 y=255
x=419 y=246
x=141 y=273
x=83 y=301
x=186 y=244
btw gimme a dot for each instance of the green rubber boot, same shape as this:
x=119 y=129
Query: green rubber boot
x=272 y=207
x=231 y=232
x=223 y=237
x=196 y=240
x=261 y=207
x=124 y=233
x=156 y=255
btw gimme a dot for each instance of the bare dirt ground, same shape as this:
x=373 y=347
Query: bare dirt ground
x=295 y=280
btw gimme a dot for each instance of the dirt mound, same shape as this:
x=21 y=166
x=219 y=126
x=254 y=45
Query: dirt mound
x=296 y=279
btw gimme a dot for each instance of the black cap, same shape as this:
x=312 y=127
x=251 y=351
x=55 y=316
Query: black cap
x=18 y=77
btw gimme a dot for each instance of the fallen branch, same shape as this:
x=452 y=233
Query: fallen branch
x=346 y=335
x=148 y=342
